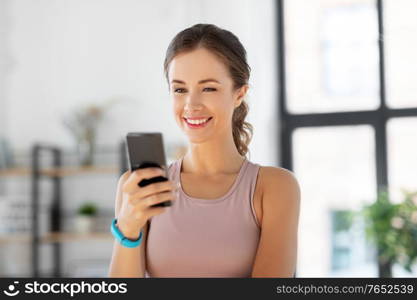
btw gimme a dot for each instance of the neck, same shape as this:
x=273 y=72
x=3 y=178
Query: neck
x=213 y=157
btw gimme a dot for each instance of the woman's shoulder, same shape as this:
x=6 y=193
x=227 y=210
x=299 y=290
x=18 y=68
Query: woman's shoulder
x=277 y=179
x=273 y=172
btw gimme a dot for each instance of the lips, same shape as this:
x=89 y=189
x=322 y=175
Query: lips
x=197 y=125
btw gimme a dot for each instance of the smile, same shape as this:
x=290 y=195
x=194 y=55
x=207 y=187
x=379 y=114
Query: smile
x=197 y=123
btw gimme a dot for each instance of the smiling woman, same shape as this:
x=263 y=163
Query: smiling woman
x=230 y=217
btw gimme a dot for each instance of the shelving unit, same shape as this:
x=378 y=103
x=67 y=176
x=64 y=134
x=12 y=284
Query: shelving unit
x=55 y=173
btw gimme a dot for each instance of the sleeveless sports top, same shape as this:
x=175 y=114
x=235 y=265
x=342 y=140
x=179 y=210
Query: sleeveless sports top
x=198 y=237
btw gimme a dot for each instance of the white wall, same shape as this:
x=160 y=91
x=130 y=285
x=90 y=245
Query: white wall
x=5 y=62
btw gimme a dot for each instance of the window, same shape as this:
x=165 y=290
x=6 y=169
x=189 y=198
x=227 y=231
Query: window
x=331 y=56
x=348 y=108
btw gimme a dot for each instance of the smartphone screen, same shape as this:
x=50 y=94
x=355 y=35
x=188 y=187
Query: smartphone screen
x=144 y=150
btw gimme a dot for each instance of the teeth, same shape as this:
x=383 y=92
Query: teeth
x=196 y=122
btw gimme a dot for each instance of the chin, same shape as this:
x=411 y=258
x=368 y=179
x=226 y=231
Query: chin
x=197 y=139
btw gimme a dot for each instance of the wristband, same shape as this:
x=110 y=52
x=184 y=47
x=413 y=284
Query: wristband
x=124 y=241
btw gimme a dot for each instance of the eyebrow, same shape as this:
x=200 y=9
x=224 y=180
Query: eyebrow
x=200 y=82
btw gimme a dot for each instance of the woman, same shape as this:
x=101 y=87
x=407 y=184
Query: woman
x=230 y=217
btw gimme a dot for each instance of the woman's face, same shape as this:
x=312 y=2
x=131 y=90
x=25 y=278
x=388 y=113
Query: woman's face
x=201 y=88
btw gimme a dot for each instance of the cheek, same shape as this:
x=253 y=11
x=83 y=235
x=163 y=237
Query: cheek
x=177 y=112
x=224 y=107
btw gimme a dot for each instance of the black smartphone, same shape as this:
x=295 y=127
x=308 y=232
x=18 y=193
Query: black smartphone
x=144 y=150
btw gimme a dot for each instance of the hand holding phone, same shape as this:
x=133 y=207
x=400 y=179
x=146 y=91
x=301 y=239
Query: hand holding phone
x=138 y=203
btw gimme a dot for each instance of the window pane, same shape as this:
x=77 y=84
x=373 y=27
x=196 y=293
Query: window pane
x=401 y=48
x=402 y=156
x=332 y=55
x=335 y=167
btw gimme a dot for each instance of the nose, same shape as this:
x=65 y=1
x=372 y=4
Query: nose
x=192 y=102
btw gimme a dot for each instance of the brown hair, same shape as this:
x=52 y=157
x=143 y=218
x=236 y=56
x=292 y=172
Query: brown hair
x=228 y=48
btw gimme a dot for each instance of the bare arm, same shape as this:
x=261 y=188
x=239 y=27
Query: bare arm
x=277 y=250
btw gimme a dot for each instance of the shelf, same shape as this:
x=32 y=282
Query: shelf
x=55 y=237
x=21 y=171
x=14 y=237
x=68 y=171
x=60 y=172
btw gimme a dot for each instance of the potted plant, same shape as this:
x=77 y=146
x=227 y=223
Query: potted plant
x=86 y=217
x=392 y=228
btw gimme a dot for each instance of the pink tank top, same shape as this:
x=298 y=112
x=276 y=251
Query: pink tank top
x=198 y=237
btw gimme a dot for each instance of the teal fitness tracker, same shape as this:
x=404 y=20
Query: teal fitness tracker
x=124 y=241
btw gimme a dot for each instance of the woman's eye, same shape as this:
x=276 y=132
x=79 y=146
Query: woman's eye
x=210 y=89
x=181 y=90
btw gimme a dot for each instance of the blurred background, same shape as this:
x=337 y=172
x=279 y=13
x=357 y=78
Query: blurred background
x=333 y=98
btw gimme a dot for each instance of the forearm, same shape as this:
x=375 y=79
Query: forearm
x=127 y=262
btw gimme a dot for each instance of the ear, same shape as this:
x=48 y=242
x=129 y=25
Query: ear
x=240 y=95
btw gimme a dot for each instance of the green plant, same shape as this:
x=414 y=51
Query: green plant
x=87 y=209
x=406 y=228
x=392 y=227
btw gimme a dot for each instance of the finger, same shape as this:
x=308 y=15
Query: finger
x=153 y=211
x=131 y=184
x=158 y=198
x=140 y=201
x=157 y=187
